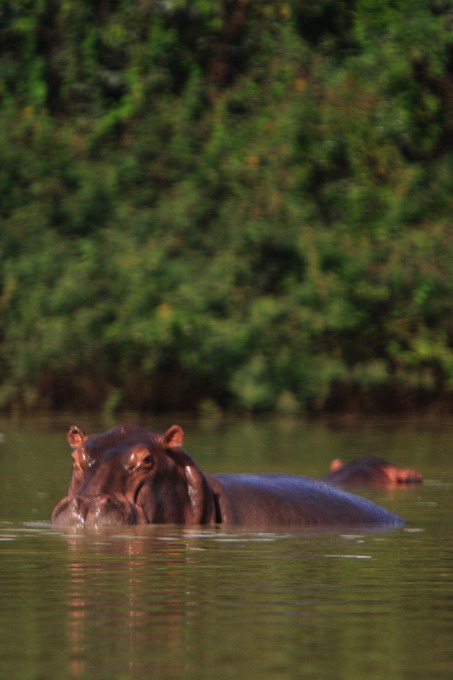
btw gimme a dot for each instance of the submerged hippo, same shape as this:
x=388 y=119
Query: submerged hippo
x=133 y=475
x=371 y=471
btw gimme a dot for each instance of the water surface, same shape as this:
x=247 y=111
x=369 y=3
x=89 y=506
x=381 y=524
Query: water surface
x=170 y=602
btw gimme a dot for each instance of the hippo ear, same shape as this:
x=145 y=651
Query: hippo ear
x=336 y=464
x=75 y=436
x=174 y=436
x=200 y=508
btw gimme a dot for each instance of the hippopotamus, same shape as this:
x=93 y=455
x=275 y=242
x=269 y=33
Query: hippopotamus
x=370 y=471
x=134 y=475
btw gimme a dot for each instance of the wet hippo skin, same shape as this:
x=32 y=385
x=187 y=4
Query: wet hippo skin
x=134 y=475
x=371 y=471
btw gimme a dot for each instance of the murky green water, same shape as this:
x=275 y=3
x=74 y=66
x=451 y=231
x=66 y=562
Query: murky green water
x=169 y=602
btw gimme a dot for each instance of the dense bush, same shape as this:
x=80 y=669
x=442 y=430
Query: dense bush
x=244 y=204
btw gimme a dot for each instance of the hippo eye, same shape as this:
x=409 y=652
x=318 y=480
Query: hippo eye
x=148 y=461
x=140 y=461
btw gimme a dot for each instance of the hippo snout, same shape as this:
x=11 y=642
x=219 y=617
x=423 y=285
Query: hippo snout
x=95 y=510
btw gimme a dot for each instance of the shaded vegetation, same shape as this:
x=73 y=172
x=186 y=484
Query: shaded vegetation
x=239 y=204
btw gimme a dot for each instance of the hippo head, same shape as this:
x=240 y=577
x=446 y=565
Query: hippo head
x=371 y=471
x=132 y=475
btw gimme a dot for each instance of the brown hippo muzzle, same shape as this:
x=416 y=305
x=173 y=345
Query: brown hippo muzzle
x=95 y=510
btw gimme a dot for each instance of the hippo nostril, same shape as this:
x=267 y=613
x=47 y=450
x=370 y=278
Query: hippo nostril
x=85 y=508
x=104 y=502
x=94 y=510
x=106 y=509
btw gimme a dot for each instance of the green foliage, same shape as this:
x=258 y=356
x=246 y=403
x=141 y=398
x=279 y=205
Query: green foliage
x=239 y=204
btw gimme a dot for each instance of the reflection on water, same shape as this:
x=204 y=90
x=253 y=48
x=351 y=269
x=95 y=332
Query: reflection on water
x=170 y=602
